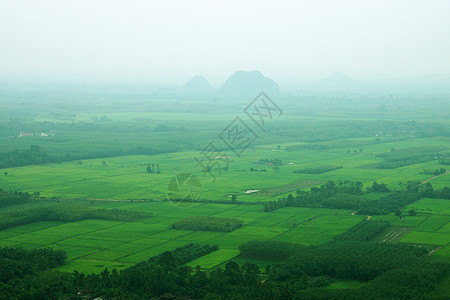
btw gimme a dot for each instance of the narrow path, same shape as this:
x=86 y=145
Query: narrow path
x=434 y=177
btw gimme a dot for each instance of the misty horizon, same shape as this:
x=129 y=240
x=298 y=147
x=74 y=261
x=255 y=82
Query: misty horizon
x=168 y=43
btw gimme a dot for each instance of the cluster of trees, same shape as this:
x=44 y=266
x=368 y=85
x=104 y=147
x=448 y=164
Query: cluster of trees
x=444 y=161
x=13 y=198
x=405 y=157
x=351 y=260
x=18 y=263
x=315 y=196
x=402 y=162
x=271 y=161
x=206 y=223
x=16 y=158
x=350 y=195
x=180 y=255
x=363 y=232
x=317 y=170
x=152 y=168
x=256 y=170
x=269 y=250
x=67 y=214
x=435 y=172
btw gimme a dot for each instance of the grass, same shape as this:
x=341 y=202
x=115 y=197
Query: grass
x=124 y=177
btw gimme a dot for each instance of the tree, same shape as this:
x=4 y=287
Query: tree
x=6 y=173
x=149 y=169
x=233 y=197
x=398 y=212
x=412 y=212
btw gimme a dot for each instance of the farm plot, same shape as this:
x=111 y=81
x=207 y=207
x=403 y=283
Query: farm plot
x=215 y=258
x=433 y=223
x=430 y=205
x=427 y=238
x=393 y=234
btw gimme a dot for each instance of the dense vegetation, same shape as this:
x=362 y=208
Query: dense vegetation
x=66 y=214
x=392 y=271
x=205 y=223
x=408 y=156
x=32 y=156
x=13 y=198
x=317 y=170
x=180 y=255
x=363 y=232
x=435 y=171
x=18 y=263
x=269 y=250
x=350 y=195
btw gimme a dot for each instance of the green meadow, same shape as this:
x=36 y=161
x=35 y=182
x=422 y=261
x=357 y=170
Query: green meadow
x=125 y=177
x=122 y=182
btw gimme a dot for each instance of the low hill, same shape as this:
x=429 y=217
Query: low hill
x=249 y=84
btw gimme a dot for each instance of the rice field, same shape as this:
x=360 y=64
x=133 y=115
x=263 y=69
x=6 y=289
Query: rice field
x=92 y=245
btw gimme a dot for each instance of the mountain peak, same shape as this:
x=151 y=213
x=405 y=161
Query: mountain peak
x=198 y=83
x=249 y=83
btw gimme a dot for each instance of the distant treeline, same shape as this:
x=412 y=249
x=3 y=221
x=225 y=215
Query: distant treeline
x=205 y=223
x=36 y=156
x=408 y=156
x=67 y=214
x=317 y=170
x=350 y=195
x=435 y=171
x=444 y=161
x=17 y=158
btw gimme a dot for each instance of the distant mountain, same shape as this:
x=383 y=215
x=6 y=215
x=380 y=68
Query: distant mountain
x=338 y=79
x=249 y=84
x=198 y=84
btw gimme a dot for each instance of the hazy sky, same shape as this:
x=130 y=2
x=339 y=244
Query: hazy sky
x=170 y=41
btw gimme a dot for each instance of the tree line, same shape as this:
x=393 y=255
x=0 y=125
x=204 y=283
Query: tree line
x=350 y=195
x=206 y=223
x=67 y=214
x=317 y=170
